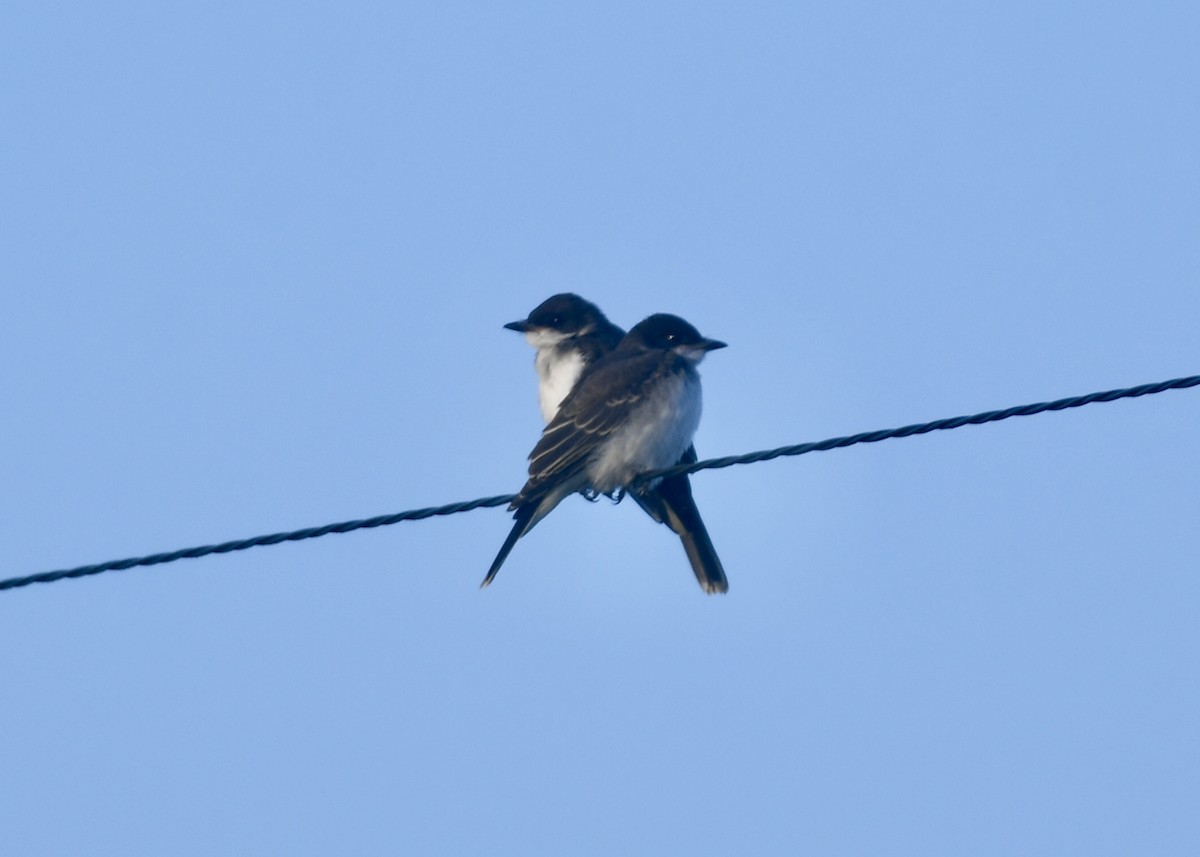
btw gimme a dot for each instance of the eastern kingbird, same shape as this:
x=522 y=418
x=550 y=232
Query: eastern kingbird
x=634 y=410
x=569 y=334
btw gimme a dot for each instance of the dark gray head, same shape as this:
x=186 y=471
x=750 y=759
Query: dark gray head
x=563 y=316
x=666 y=332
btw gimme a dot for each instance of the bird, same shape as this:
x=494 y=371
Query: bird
x=631 y=410
x=569 y=334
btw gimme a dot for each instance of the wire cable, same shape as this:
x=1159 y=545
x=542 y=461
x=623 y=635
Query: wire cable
x=708 y=464
x=924 y=428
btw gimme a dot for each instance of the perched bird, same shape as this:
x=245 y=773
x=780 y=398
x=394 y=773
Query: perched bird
x=569 y=334
x=633 y=410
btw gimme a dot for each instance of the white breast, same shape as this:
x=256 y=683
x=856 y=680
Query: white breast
x=557 y=374
x=654 y=437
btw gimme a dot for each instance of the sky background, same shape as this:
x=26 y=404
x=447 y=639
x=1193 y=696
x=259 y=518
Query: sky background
x=256 y=260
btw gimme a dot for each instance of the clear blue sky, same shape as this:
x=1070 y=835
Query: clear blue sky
x=255 y=263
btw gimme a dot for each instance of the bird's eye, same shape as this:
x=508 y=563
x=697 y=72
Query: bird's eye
x=555 y=321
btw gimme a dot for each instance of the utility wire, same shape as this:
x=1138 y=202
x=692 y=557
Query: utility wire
x=708 y=464
x=924 y=428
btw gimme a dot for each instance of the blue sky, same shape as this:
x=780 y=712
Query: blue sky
x=255 y=267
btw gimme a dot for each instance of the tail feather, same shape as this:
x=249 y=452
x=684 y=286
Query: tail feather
x=530 y=508
x=706 y=565
x=671 y=503
x=520 y=527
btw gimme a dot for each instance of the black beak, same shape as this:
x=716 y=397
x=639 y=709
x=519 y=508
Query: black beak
x=712 y=344
x=519 y=326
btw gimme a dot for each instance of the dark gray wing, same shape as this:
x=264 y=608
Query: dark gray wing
x=600 y=404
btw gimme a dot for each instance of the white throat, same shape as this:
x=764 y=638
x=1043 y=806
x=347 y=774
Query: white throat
x=558 y=370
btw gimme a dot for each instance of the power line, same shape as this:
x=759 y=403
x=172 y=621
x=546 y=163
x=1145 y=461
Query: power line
x=708 y=464
x=924 y=428
x=256 y=541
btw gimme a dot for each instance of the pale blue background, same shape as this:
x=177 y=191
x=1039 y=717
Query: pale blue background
x=255 y=264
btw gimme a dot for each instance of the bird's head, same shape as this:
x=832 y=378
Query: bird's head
x=559 y=318
x=666 y=332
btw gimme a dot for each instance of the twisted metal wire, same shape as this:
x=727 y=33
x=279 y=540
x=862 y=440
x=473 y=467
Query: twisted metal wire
x=256 y=541
x=708 y=464
x=923 y=428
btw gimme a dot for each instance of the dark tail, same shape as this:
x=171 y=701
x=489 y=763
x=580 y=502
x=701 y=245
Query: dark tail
x=523 y=515
x=671 y=503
